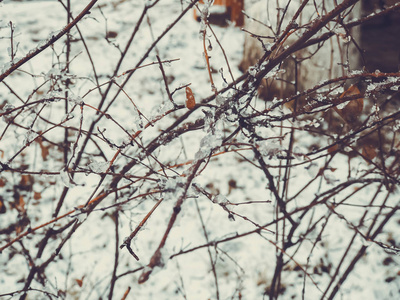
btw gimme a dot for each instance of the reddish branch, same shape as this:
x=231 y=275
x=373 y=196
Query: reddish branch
x=156 y=259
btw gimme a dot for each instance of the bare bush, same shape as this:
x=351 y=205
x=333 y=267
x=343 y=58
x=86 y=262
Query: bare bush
x=138 y=161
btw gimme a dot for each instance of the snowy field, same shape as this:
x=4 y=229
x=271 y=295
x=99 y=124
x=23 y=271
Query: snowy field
x=229 y=234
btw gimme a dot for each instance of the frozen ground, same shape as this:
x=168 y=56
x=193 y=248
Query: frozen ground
x=243 y=266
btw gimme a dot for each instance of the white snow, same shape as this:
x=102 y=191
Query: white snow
x=244 y=265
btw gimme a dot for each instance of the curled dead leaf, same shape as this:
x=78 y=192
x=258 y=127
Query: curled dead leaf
x=26 y=182
x=368 y=151
x=190 y=101
x=45 y=149
x=352 y=110
x=21 y=205
x=37 y=195
x=80 y=281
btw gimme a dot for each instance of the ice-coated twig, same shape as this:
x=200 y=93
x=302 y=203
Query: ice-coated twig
x=51 y=41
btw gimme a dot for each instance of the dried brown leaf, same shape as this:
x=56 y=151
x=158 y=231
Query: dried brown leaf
x=353 y=108
x=190 y=101
x=368 y=151
x=37 y=195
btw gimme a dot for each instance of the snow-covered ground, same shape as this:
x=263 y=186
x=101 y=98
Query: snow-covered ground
x=235 y=267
